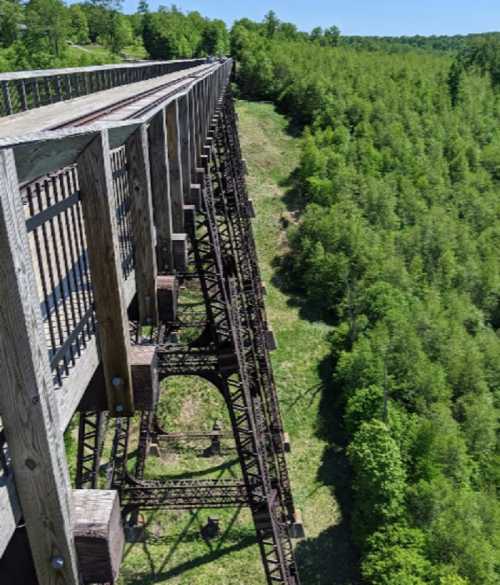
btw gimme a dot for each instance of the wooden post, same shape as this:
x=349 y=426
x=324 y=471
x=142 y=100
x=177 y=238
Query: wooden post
x=185 y=140
x=192 y=133
x=199 y=133
x=99 y=534
x=27 y=402
x=145 y=376
x=143 y=225
x=96 y=191
x=180 y=252
x=6 y=98
x=175 y=166
x=168 y=293
x=160 y=185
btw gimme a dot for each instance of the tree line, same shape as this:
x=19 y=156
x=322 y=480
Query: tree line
x=40 y=34
x=397 y=242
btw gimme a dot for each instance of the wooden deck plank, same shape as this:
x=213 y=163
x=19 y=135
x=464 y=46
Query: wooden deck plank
x=48 y=117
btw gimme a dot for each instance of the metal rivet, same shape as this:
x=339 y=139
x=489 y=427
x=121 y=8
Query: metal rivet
x=117 y=382
x=57 y=563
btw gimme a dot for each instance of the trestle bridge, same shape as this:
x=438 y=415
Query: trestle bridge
x=119 y=186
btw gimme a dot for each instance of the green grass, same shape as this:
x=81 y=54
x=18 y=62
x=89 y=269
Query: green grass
x=91 y=53
x=136 y=51
x=174 y=552
x=94 y=53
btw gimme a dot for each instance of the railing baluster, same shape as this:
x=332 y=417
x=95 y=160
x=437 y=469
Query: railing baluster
x=6 y=98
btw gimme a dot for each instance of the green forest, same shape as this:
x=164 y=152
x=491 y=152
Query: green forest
x=395 y=243
x=43 y=34
x=397 y=239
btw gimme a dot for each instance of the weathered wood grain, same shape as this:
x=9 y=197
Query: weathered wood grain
x=145 y=376
x=160 y=184
x=168 y=293
x=27 y=403
x=99 y=535
x=193 y=133
x=185 y=144
x=146 y=270
x=96 y=191
x=175 y=166
x=180 y=251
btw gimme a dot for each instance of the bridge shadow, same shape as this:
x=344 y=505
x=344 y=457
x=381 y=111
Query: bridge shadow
x=225 y=466
x=216 y=550
x=209 y=557
x=331 y=558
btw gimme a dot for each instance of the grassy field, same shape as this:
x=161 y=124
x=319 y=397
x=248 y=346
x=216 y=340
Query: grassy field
x=174 y=552
x=98 y=54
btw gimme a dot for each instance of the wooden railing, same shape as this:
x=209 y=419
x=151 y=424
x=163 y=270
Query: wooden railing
x=25 y=90
x=76 y=246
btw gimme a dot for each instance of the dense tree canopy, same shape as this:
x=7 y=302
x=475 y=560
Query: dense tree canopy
x=397 y=242
x=43 y=33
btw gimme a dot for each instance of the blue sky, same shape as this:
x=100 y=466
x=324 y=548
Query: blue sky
x=366 y=17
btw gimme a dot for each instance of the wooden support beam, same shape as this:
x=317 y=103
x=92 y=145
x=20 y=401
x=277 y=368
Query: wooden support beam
x=146 y=270
x=168 y=293
x=160 y=184
x=96 y=191
x=185 y=140
x=195 y=198
x=271 y=342
x=250 y=209
x=287 y=446
x=27 y=401
x=145 y=376
x=99 y=535
x=180 y=251
x=297 y=528
x=199 y=129
x=193 y=133
x=175 y=166
x=94 y=398
x=189 y=217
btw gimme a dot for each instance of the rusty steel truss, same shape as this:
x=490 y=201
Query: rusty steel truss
x=231 y=351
